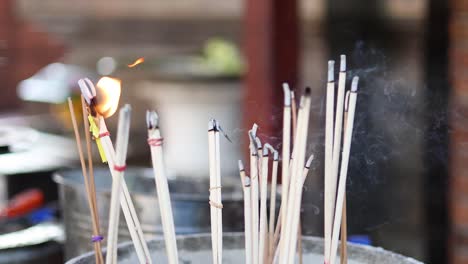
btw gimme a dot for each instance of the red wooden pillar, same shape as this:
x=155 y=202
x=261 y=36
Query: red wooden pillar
x=8 y=99
x=271 y=46
x=24 y=49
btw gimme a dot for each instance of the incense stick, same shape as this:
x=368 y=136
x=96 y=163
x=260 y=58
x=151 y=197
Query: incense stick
x=294 y=202
x=294 y=127
x=263 y=207
x=126 y=202
x=299 y=230
x=338 y=125
x=351 y=106
x=294 y=114
x=85 y=177
x=212 y=161
x=105 y=144
x=121 y=153
x=344 y=225
x=271 y=225
x=330 y=181
x=254 y=194
x=155 y=141
x=247 y=214
x=286 y=152
x=215 y=191
x=285 y=243
x=344 y=235
x=241 y=172
x=218 y=193
x=92 y=187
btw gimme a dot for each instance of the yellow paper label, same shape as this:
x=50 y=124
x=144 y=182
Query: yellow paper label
x=95 y=131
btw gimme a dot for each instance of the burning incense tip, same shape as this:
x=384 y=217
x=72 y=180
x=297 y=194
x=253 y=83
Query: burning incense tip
x=254 y=130
x=354 y=84
x=108 y=95
x=331 y=73
x=343 y=63
x=258 y=143
x=265 y=150
x=275 y=155
x=252 y=145
x=241 y=165
x=212 y=125
x=135 y=63
x=272 y=150
x=309 y=161
x=247 y=182
x=152 y=119
x=87 y=89
x=287 y=94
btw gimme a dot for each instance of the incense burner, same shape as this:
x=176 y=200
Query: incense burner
x=197 y=249
x=189 y=200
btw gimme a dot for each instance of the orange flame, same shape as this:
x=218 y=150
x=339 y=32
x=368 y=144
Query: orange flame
x=108 y=94
x=135 y=63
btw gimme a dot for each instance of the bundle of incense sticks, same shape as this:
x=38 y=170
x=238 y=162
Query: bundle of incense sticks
x=267 y=239
x=89 y=182
x=276 y=240
x=338 y=134
x=259 y=228
x=117 y=167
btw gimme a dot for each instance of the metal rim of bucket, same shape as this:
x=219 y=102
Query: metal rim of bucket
x=61 y=178
x=364 y=250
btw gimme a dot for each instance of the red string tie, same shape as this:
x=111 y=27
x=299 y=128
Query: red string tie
x=120 y=168
x=155 y=142
x=104 y=134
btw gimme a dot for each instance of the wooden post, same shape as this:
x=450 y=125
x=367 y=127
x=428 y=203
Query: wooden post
x=271 y=45
x=7 y=44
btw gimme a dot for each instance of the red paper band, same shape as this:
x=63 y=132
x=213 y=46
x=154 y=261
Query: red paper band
x=155 y=142
x=120 y=168
x=104 y=134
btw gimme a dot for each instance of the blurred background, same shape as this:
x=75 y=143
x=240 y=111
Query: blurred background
x=408 y=183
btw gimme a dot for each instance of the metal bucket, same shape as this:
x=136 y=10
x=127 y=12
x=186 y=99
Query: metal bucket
x=197 y=249
x=189 y=202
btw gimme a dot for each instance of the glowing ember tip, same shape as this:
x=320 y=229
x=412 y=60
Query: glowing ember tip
x=152 y=119
x=108 y=95
x=135 y=63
